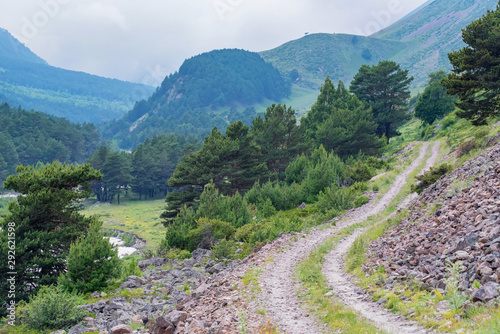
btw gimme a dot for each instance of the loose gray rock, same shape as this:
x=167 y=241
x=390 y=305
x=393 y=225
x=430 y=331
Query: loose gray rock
x=486 y=293
x=78 y=329
x=121 y=329
x=163 y=326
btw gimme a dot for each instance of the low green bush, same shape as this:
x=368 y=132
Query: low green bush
x=466 y=147
x=130 y=269
x=91 y=263
x=336 y=199
x=430 y=177
x=178 y=254
x=224 y=249
x=209 y=232
x=360 y=201
x=52 y=308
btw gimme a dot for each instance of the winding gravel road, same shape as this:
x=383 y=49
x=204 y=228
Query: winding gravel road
x=277 y=282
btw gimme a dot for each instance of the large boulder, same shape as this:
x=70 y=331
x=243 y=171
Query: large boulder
x=177 y=316
x=486 y=293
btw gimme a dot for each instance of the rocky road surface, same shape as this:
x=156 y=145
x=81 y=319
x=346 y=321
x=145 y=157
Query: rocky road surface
x=277 y=282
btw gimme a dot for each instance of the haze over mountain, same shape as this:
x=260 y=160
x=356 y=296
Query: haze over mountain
x=200 y=96
x=420 y=42
x=27 y=80
x=208 y=91
x=193 y=101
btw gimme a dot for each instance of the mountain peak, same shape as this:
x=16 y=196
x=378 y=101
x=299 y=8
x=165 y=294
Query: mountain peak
x=10 y=47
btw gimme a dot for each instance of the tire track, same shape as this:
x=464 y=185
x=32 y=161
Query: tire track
x=343 y=287
x=278 y=286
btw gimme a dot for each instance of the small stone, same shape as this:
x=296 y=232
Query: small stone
x=62 y=331
x=382 y=301
x=200 y=291
x=121 y=329
x=471 y=239
x=137 y=320
x=78 y=329
x=177 y=316
x=443 y=306
x=462 y=255
x=163 y=326
x=328 y=294
x=95 y=295
x=486 y=293
x=486 y=271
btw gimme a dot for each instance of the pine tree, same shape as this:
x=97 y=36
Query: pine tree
x=475 y=74
x=92 y=261
x=385 y=88
x=280 y=137
x=232 y=161
x=46 y=220
x=340 y=121
x=434 y=103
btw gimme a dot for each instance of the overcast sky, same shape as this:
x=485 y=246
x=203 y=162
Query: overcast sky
x=143 y=40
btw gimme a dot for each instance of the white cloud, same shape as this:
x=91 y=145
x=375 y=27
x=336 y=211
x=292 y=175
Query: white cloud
x=127 y=39
x=106 y=12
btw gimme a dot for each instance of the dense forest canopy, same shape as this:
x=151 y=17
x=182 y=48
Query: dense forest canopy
x=29 y=137
x=195 y=99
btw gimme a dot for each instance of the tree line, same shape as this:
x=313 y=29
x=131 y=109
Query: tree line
x=29 y=137
x=144 y=171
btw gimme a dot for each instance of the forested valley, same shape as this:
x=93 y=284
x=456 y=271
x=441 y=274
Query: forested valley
x=393 y=194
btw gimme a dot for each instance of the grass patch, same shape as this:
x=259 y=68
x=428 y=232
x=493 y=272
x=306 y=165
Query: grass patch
x=141 y=218
x=250 y=281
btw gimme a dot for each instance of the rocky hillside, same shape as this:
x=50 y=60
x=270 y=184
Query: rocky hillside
x=457 y=219
x=158 y=301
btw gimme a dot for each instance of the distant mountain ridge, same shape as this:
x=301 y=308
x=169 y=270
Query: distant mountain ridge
x=12 y=48
x=420 y=42
x=432 y=32
x=27 y=80
x=338 y=55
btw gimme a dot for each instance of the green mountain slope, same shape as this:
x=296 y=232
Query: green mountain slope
x=338 y=55
x=432 y=31
x=27 y=80
x=211 y=89
x=420 y=42
x=11 y=48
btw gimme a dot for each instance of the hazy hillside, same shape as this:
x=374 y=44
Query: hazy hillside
x=420 y=41
x=433 y=31
x=27 y=80
x=11 y=48
x=212 y=89
x=338 y=55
